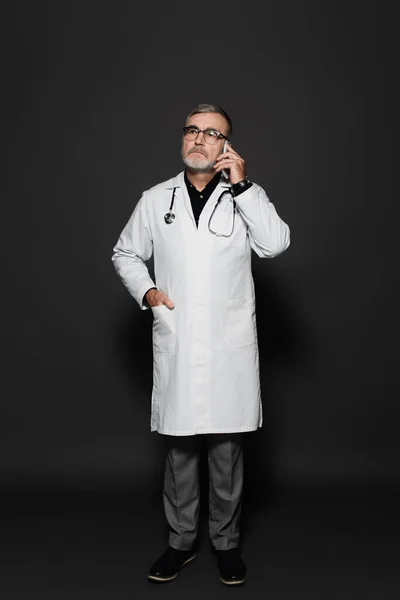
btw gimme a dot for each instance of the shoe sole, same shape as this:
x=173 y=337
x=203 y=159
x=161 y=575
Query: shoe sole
x=236 y=582
x=166 y=579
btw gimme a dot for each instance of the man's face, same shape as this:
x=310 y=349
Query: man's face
x=198 y=155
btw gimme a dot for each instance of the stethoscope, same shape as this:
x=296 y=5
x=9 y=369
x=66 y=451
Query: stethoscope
x=170 y=216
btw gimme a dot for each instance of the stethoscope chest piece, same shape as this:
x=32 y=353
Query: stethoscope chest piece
x=169 y=217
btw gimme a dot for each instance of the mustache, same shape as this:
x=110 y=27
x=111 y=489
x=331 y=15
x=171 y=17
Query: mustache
x=196 y=150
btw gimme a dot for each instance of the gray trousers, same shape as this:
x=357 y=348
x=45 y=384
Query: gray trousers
x=181 y=493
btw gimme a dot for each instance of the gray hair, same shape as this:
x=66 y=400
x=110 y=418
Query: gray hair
x=211 y=108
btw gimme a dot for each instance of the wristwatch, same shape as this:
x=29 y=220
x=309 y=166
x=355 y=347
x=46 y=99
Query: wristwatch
x=241 y=186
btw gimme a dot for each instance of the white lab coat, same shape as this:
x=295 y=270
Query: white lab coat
x=206 y=366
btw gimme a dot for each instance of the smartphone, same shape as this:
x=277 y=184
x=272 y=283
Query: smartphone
x=224 y=172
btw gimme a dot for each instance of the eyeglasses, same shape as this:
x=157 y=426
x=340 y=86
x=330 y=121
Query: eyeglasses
x=211 y=136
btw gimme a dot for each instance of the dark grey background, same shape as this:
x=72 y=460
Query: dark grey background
x=96 y=95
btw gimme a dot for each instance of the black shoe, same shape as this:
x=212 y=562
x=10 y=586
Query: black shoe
x=169 y=564
x=232 y=570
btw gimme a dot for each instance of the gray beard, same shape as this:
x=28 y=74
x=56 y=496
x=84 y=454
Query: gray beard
x=197 y=165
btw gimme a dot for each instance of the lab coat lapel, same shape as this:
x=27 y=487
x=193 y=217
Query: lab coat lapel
x=222 y=186
x=209 y=206
x=181 y=195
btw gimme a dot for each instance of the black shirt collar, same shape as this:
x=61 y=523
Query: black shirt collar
x=207 y=191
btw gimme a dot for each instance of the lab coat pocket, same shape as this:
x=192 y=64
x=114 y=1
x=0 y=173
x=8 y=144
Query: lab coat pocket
x=240 y=325
x=164 y=330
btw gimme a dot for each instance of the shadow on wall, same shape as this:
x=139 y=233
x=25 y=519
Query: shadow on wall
x=284 y=346
x=134 y=346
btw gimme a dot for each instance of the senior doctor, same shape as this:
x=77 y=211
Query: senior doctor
x=201 y=226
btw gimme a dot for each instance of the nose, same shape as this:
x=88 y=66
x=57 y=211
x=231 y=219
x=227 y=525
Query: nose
x=199 y=141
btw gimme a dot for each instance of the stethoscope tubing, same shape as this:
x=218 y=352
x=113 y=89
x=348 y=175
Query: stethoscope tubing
x=169 y=217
